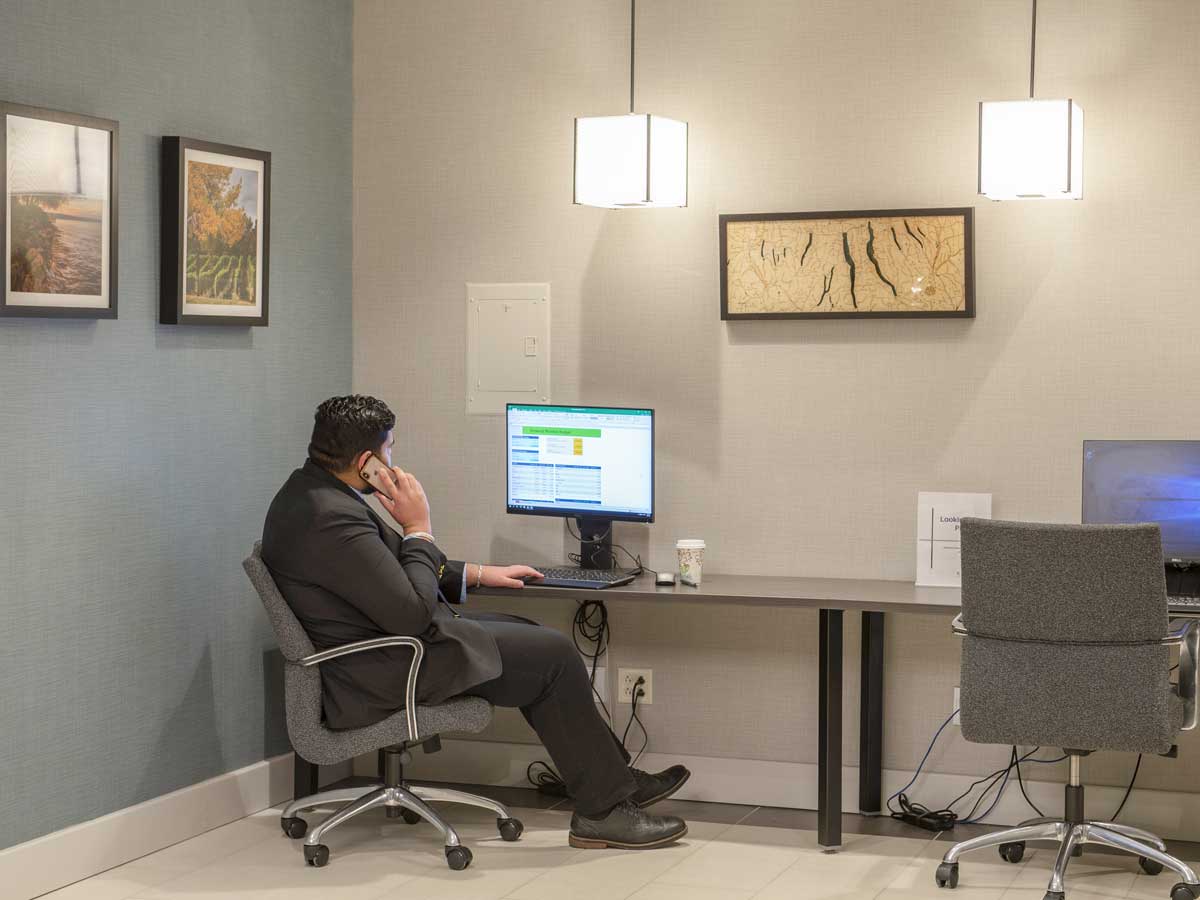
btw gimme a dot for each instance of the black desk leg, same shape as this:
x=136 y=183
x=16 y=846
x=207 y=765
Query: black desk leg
x=829 y=728
x=870 y=730
x=304 y=780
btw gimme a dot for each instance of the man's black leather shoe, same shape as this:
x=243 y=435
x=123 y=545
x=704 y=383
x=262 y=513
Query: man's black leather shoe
x=652 y=787
x=628 y=827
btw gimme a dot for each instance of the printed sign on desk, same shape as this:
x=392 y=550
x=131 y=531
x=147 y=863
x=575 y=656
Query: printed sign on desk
x=938 y=538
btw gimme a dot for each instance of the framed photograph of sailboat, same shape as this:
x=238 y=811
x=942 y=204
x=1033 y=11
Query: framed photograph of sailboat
x=58 y=184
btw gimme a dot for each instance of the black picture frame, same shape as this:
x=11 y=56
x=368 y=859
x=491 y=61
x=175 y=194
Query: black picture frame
x=173 y=303
x=10 y=309
x=967 y=312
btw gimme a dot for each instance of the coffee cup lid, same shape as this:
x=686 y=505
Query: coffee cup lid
x=689 y=544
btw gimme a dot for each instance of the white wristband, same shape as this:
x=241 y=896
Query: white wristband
x=423 y=535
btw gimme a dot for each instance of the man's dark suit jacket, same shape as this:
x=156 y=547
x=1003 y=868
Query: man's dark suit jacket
x=347 y=576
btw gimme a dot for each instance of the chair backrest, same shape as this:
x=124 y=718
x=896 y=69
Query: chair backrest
x=302 y=700
x=293 y=639
x=1063 y=625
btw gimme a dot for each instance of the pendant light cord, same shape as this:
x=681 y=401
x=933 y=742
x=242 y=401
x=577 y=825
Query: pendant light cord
x=1033 y=42
x=633 y=34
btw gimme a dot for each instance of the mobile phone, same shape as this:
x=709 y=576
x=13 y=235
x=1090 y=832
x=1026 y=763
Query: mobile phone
x=370 y=472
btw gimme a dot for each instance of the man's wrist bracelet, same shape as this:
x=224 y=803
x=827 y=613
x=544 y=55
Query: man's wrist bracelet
x=423 y=535
x=478 y=574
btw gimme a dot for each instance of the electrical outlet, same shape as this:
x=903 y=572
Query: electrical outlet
x=955 y=720
x=626 y=678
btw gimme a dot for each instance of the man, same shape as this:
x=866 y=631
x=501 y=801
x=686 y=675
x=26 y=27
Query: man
x=348 y=576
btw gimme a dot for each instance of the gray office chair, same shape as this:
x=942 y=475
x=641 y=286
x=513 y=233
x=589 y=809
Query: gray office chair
x=394 y=737
x=1066 y=644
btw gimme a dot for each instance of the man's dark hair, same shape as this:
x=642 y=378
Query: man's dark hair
x=346 y=426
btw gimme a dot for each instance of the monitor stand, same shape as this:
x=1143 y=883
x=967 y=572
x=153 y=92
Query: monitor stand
x=595 y=544
x=1183 y=579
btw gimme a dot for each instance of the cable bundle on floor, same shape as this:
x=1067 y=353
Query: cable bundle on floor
x=944 y=819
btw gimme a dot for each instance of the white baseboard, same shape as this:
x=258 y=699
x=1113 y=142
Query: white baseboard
x=64 y=857
x=1174 y=815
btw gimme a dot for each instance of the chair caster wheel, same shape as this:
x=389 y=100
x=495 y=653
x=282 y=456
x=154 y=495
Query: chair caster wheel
x=510 y=829
x=1149 y=866
x=1185 y=891
x=1013 y=852
x=458 y=858
x=293 y=827
x=409 y=816
x=947 y=875
x=316 y=855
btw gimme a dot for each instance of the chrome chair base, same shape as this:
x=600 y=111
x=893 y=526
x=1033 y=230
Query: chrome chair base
x=1149 y=849
x=411 y=802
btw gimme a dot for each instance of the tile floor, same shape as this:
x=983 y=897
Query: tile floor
x=731 y=853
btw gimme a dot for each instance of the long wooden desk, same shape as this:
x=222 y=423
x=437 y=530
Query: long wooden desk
x=833 y=597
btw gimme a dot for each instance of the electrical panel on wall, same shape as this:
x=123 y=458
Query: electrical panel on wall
x=508 y=345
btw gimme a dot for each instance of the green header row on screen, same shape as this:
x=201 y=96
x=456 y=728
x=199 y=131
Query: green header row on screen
x=598 y=410
x=564 y=432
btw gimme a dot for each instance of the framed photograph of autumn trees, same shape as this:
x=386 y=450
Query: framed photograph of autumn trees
x=58 y=214
x=216 y=214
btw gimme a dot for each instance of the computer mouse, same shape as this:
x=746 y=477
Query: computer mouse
x=664 y=578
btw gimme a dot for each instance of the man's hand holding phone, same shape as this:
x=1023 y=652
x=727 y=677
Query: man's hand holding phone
x=402 y=496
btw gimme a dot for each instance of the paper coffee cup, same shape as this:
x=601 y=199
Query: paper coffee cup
x=691 y=560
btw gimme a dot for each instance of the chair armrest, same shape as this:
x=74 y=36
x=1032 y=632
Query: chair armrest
x=1186 y=634
x=957 y=626
x=391 y=640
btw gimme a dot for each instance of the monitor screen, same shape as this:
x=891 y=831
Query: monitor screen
x=581 y=461
x=1146 y=481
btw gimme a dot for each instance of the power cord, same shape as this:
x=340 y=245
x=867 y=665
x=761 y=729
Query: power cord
x=591 y=624
x=896 y=813
x=1128 y=790
x=946 y=818
x=1021 y=784
x=633 y=717
x=578 y=559
x=583 y=540
x=916 y=814
x=547 y=781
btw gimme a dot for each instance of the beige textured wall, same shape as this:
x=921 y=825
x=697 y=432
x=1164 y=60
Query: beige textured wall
x=792 y=447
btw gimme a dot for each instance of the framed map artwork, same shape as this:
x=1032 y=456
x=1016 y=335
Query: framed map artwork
x=899 y=263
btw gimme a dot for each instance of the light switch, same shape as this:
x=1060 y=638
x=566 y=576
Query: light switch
x=531 y=346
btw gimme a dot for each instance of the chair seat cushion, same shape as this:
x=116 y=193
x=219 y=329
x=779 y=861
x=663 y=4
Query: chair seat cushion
x=326 y=746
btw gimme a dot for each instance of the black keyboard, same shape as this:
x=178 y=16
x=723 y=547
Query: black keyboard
x=573 y=576
x=1183 y=601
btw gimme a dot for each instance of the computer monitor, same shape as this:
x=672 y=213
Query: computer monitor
x=1146 y=481
x=592 y=463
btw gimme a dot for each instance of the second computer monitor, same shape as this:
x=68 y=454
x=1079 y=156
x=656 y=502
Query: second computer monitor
x=1146 y=481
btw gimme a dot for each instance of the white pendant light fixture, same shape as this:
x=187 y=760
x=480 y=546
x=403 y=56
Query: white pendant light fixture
x=633 y=160
x=1031 y=149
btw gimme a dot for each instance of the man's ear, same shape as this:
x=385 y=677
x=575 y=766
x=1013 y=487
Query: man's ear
x=361 y=461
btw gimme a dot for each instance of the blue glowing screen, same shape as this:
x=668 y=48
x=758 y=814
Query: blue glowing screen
x=1146 y=481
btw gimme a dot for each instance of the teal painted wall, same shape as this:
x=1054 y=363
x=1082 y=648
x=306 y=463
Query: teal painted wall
x=137 y=459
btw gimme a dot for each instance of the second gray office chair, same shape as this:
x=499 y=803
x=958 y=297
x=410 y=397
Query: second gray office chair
x=393 y=737
x=1066 y=644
